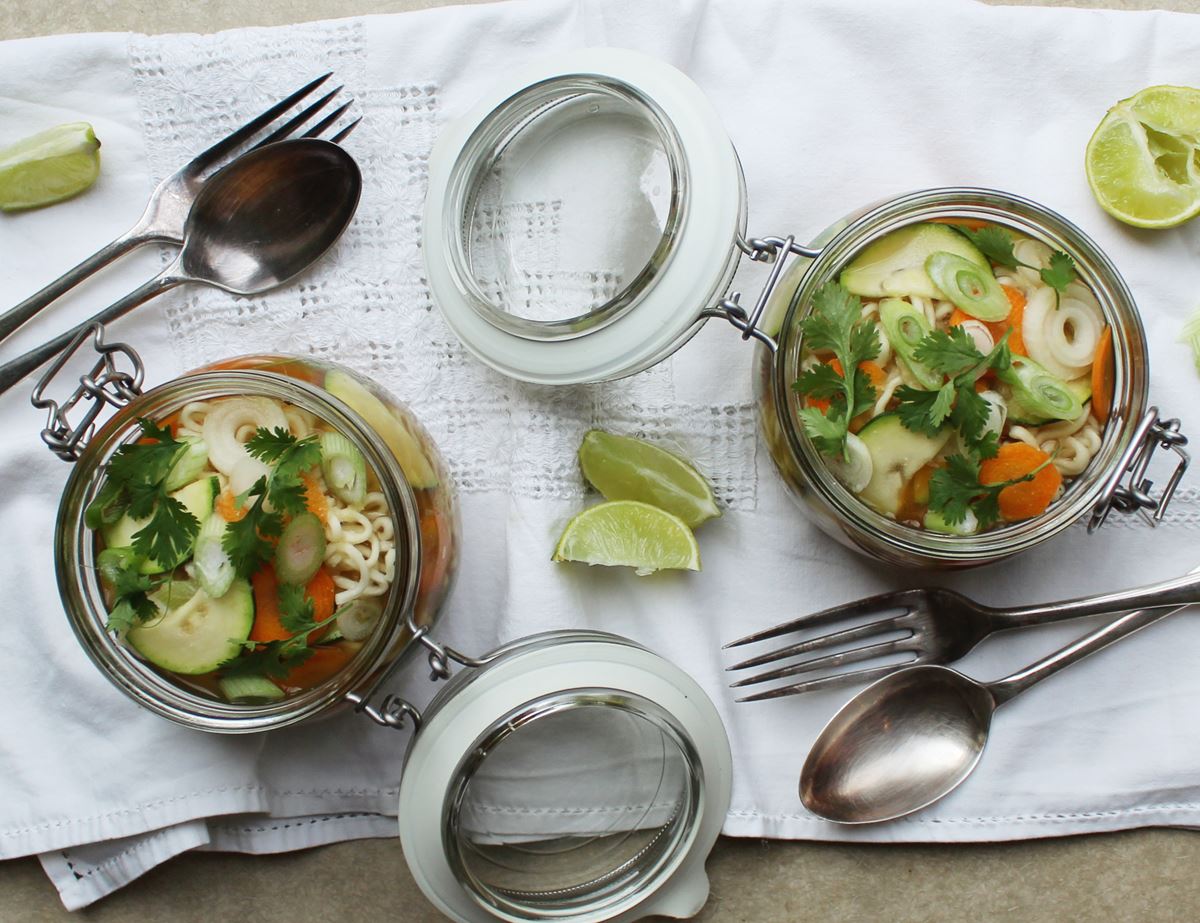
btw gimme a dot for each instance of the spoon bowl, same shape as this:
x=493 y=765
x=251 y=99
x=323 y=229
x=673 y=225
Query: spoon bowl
x=900 y=745
x=270 y=214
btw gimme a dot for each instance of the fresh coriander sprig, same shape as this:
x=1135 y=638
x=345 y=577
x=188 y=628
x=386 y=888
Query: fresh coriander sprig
x=955 y=491
x=278 y=658
x=996 y=244
x=135 y=483
x=835 y=325
x=247 y=541
x=953 y=353
x=121 y=570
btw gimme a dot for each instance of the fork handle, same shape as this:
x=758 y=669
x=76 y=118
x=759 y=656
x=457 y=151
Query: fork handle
x=1181 y=591
x=13 y=318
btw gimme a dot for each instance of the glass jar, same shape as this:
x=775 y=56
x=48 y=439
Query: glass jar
x=1133 y=427
x=417 y=493
x=583 y=106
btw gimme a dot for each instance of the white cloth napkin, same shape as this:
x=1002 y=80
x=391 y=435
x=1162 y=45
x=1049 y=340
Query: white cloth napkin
x=830 y=105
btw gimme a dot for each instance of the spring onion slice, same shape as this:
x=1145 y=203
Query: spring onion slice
x=212 y=565
x=249 y=689
x=344 y=468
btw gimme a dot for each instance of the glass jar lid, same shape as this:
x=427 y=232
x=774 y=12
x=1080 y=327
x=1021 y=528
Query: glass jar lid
x=582 y=216
x=576 y=776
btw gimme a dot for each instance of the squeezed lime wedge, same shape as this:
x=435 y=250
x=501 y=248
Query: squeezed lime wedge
x=1143 y=160
x=48 y=167
x=627 y=533
x=624 y=468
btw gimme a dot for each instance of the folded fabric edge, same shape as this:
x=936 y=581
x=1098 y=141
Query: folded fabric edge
x=916 y=830
x=79 y=885
x=258 y=835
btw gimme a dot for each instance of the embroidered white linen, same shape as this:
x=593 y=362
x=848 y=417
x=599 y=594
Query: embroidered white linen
x=830 y=105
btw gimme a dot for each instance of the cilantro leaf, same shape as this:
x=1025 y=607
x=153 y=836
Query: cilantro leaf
x=828 y=433
x=169 y=534
x=1060 y=273
x=269 y=445
x=924 y=411
x=295 y=609
x=950 y=352
x=970 y=414
x=994 y=242
x=835 y=324
x=274 y=659
x=121 y=569
x=820 y=381
x=955 y=491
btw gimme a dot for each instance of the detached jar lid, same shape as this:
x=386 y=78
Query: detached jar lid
x=582 y=216
x=575 y=777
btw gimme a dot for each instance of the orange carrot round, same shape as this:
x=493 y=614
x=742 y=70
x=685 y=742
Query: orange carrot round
x=1029 y=498
x=268 y=625
x=313 y=498
x=227 y=506
x=324 y=663
x=1103 y=376
x=1016 y=341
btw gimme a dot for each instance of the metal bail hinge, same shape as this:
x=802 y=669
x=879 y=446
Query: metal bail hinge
x=771 y=250
x=1135 y=494
x=105 y=384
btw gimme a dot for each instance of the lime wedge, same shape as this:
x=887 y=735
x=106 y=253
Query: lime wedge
x=624 y=468
x=1142 y=159
x=48 y=167
x=626 y=533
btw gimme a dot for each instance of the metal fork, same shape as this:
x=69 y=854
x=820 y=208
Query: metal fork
x=167 y=210
x=936 y=625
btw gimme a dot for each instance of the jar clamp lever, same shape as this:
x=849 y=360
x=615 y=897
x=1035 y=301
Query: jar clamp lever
x=106 y=383
x=771 y=250
x=393 y=709
x=1150 y=435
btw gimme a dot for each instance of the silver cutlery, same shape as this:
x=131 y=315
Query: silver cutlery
x=166 y=213
x=255 y=224
x=912 y=737
x=935 y=625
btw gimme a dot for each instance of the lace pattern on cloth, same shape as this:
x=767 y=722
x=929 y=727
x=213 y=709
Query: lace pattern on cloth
x=367 y=305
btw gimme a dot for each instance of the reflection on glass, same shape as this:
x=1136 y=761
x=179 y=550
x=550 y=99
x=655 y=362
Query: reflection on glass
x=574 y=807
x=575 y=208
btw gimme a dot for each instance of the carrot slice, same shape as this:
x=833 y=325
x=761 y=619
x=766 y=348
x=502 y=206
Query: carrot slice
x=1016 y=341
x=313 y=498
x=227 y=506
x=324 y=663
x=1103 y=375
x=1029 y=498
x=268 y=626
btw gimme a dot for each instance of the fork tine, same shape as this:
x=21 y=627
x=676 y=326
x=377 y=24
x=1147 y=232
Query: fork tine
x=256 y=124
x=894 y=600
x=868 y=675
x=328 y=120
x=827 y=661
x=286 y=129
x=829 y=640
x=345 y=132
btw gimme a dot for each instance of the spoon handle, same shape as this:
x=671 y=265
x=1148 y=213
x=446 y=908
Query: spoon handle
x=15 y=370
x=14 y=317
x=1004 y=689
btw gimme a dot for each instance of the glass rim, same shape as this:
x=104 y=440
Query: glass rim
x=486 y=145
x=637 y=880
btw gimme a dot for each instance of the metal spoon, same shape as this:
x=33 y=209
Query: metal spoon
x=913 y=737
x=256 y=223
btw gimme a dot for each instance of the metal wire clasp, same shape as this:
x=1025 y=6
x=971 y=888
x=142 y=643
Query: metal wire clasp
x=771 y=250
x=1134 y=495
x=392 y=710
x=106 y=384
